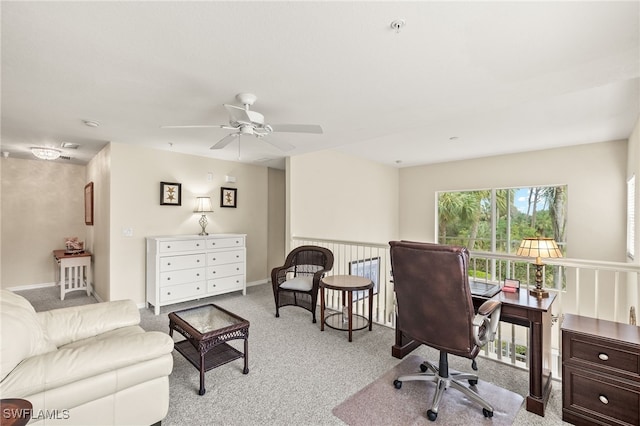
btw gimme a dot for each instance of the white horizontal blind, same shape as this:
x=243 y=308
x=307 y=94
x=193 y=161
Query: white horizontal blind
x=631 y=213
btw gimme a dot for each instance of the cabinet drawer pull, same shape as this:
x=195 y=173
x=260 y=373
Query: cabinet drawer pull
x=168 y=293
x=214 y=259
x=603 y=356
x=197 y=288
x=168 y=247
x=168 y=278
x=198 y=261
x=197 y=244
x=168 y=263
x=197 y=275
x=603 y=399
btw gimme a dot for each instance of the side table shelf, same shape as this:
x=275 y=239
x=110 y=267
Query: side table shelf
x=600 y=372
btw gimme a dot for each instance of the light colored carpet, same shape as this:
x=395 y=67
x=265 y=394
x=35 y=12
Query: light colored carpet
x=297 y=374
x=380 y=403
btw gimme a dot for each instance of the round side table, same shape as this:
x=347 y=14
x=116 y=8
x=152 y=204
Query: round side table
x=347 y=284
x=15 y=412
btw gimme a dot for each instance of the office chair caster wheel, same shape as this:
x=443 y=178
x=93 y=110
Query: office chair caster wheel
x=473 y=382
x=397 y=384
x=487 y=413
x=432 y=415
x=423 y=368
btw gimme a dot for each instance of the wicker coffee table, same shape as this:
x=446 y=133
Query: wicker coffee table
x=207 y=329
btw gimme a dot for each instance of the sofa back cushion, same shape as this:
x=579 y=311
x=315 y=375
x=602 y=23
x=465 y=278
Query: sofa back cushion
x=22 y=336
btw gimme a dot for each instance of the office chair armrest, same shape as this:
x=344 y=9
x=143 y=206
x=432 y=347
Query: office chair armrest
x=485 y=323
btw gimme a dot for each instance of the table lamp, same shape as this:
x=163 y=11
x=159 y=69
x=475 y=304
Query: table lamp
x=203 y=205
x=539 y=247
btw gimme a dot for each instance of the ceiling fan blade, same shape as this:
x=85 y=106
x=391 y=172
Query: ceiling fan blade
x=281 y=145
x=200 y=126
x=296 y=128
x=225 y=141
x=238 y=114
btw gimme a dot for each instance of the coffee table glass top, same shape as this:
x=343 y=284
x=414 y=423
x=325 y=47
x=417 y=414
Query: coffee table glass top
x=208 y=318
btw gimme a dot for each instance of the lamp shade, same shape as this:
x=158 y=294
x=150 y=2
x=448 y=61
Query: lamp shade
x=203 y=205
x=539 y=247
x=46 y=153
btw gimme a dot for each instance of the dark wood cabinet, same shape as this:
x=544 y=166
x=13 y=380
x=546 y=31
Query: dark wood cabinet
x=600 y=372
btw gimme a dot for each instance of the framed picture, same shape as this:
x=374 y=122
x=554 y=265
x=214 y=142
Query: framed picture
x=368 y=268
x=229 y=197
x=170 y=194
x=88 y=204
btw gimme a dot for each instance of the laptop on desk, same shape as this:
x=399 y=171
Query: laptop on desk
x=483 y=289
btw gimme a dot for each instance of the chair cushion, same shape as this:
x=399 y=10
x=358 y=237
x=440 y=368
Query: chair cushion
x=298 y=284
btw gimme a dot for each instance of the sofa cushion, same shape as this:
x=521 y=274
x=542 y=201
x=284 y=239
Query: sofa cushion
x=22 y=336
x=67 y=325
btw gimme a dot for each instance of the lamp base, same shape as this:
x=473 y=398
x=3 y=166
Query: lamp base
x=203 y=224
x=539 y=293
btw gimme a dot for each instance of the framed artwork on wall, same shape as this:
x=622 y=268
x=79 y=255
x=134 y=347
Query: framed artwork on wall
x=368 y=268
x=170 y=194
x=229 y=197
x=88 y=204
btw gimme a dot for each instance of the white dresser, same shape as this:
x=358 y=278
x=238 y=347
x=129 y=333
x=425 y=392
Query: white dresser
x=187 y=267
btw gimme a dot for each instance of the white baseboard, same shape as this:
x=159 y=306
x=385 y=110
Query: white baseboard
x=31 y=286
x=259 y=282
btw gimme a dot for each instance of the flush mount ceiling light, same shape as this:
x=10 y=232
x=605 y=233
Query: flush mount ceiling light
x=91 y=123
x=46 y=153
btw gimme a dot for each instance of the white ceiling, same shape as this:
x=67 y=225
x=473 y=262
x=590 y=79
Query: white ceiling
x=501 y=77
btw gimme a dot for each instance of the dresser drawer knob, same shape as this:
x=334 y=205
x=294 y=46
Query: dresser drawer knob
x=197 y=275
x=603 y=399
x=168 y=278
x=603 y=356
x=168 y=293
x=214 y=259
x=168 y=263
x=197 y=288
x=198 y=261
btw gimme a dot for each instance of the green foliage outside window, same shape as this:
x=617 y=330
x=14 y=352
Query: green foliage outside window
x=496 y=220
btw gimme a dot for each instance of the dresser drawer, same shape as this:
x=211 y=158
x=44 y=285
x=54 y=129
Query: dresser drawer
x=223 y=285
x=216 y=243
x=224 y=257
x=181 y=245
x=604 y=354
x=187 y=261
x=182 y=276
x=220 y=271
x=184 y=291
x=600 y=397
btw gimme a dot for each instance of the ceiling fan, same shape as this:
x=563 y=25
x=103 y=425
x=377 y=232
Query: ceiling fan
x=248 y=122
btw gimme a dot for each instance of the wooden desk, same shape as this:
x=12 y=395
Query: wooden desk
x=74 y=272
x=521 y=309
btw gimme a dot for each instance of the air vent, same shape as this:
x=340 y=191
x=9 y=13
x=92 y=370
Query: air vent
x=69 y=145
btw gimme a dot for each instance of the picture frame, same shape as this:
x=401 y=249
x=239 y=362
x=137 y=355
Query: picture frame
x=511 y=285
x=368 y=268
x=229 y=197
x=88 y=204
x=170 y=194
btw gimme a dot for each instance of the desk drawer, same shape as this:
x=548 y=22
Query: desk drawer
x=224 y=257
x=220 y=271
x=600 y=397
x=181 y=245
x=603 y=354
x=182 y=276
x=174 y=263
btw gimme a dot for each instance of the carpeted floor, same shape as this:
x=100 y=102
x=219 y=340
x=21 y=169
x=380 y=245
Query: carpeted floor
x=297 y=374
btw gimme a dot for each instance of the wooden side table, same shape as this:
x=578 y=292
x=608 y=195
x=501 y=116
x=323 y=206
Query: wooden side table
x=74 y=273
x=15 y=412
x=348 y=284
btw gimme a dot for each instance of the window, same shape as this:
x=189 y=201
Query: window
x=496 y=220
x=631 y=221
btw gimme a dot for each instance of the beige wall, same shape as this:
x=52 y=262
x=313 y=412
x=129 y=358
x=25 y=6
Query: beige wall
x=336 y=196
x=133 y=181
x=595 y=175
x=42 y=203
x=276 y=209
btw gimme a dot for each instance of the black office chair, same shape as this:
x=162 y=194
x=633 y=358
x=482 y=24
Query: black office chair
x=298 y=280
x=434 y=307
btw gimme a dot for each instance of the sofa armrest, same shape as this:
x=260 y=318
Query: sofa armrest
x=66 y=325
x=67 y=365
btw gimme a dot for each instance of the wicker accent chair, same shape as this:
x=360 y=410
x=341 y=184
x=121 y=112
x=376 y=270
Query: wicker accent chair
x=297 y=282
x=434 y=307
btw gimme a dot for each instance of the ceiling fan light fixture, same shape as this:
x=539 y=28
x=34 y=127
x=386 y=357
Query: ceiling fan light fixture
x=44 y=153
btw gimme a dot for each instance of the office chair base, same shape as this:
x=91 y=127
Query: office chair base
x=442 y=384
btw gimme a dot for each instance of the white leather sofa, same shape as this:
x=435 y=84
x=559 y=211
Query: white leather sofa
x=84 y=365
